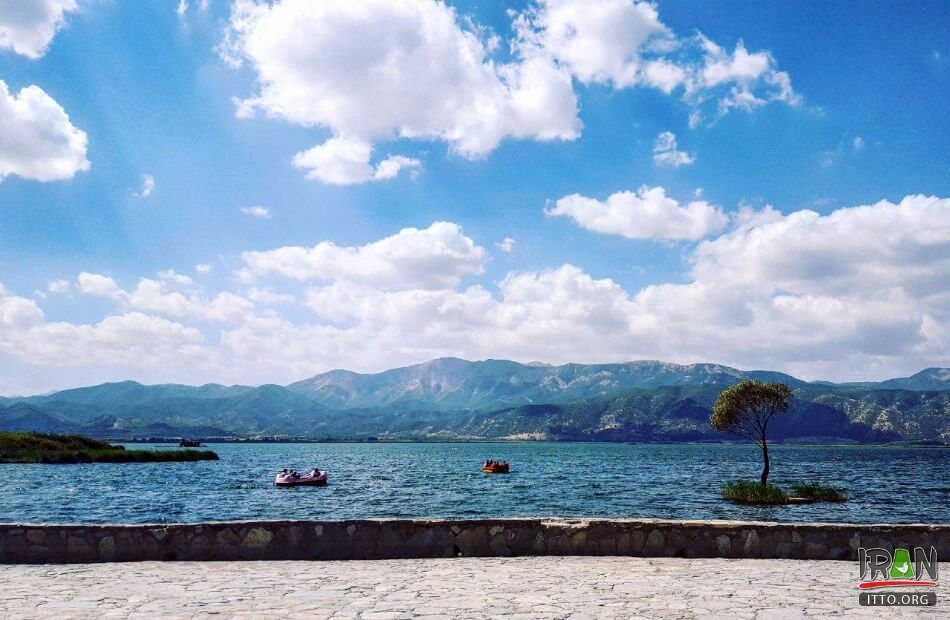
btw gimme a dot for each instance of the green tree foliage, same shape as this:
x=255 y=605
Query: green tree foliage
x=745 y=409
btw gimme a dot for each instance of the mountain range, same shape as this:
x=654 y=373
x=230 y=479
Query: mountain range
x=455 y=399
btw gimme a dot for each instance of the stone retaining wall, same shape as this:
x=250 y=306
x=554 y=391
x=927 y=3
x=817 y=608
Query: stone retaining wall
x=378 y=539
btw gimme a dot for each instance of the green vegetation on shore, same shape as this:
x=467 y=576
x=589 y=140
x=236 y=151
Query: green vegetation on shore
x=752 y=492
x=813 y=490
x=748 y=492
x=28 y=447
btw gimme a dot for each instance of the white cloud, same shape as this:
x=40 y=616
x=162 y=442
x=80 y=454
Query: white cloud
x=664 y=75
x=553 y=314
x=59 y=286
x=646 y=214
x=434 y=257
x=624 y=44
x=341 y=161
x=858 y=143
x=848 y=294
x=831 y=296
x=256 y=211
x=152 y=296
x=148 y=186
x=183 y=6
x=859 y=293
x=506 y=245
x=665 y=152
x=37 y=140
x=125 y=342
x=203 y=268
x=98 y=285
x=267 y=297
x=172 y=277
x=740 y=66
x=380 y=69
x=28 y=26
x=422 y=72
x=17 y=312
x=599 y=41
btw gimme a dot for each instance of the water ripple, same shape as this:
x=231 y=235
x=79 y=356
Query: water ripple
x=444 y=480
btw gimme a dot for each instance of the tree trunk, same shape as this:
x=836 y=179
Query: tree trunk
x=765 y=463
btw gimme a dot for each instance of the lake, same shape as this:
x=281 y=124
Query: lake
x=886 y=484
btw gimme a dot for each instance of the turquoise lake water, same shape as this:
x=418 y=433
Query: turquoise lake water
x=897 y=485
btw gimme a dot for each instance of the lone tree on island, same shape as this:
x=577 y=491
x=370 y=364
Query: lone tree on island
x=745 y=409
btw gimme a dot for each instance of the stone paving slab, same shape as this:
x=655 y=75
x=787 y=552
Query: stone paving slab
x=528 y=588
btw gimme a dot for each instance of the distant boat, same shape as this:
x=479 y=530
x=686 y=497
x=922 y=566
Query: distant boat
x=189 y=443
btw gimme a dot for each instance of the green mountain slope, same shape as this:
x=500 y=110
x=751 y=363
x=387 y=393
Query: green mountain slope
x=456 y=399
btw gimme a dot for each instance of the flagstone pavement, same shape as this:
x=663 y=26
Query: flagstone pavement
x=525 y=588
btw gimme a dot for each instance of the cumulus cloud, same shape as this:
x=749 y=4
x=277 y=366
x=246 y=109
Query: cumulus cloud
x=506 y=245
x=343 y=161
x=858 y=293
x=203 y=268
x=666 y=153
x=154 y=296
x=148 y=186
x=420 y=71
x=381 y=69
x=647 y=213
x=623 y=43
x=37 y=140
x=599 y=41
x=435 y=257
x=28 y=26
x=267 y=297
x=821 y=296
x=98 y=285
x=257 y=211
x=59 y=286
x=131 y=342
x=173 y=277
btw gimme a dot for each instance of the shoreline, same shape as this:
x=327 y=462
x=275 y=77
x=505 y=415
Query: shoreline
x=892 y=444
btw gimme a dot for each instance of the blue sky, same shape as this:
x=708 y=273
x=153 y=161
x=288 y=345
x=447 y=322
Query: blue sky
x=801 y=281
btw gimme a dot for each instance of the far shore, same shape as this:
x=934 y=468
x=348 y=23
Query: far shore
x=303 y=440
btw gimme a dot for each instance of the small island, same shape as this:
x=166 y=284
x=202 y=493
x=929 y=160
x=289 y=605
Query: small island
x=29 y=447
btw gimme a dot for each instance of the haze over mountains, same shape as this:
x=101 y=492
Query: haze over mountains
x=456 y=399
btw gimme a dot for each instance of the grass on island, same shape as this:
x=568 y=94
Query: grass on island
x=746 y=492
x=28 y=447
x=752 y=492
x=813 y=490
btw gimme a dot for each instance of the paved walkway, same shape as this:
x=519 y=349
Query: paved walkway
x=537 y=587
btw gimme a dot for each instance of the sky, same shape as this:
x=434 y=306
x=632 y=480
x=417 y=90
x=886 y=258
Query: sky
x=254 y=192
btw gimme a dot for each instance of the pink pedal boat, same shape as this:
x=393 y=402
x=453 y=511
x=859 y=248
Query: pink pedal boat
x=313 y=478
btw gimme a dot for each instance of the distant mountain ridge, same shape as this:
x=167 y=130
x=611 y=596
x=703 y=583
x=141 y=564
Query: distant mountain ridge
x=451 y=383
x=936 y=379
x=457 y=399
